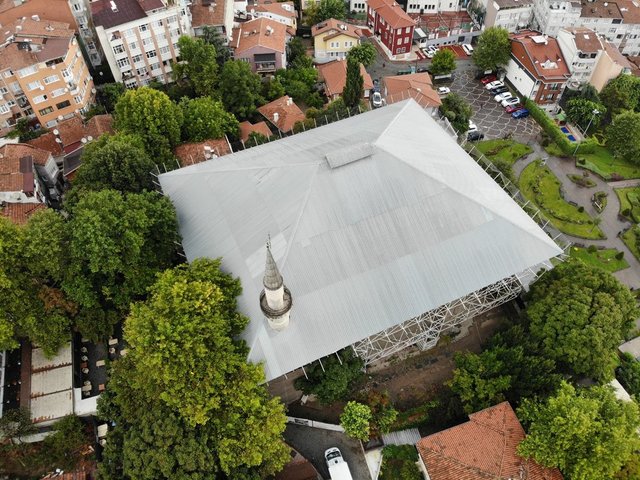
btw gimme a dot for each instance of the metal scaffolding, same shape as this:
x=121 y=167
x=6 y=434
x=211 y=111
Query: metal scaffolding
x=424 y=330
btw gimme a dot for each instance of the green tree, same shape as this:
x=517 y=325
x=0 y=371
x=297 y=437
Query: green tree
x=588 y=434
x=579 y=314
x=493 y=49
x=580 y=112
x=628 y=373
x=295 y=49
x=443 y=62
x=324 y=10
x=64 y=447
x=354 y=87
x=109 y=94
x=205 y=118
x=154 y=117
x=117 y=244
x=16 y=423
x=23 y=131
x=623 y=136
x=213 y=36
x=198 y=65
x=457 y=111
x=117 y=162
x=355 y=420
x=630 y=470
x=273 y=89
x=240 y=89
x=365 y=53
x=621 y=93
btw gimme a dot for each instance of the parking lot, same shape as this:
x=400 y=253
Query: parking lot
x=488 y=114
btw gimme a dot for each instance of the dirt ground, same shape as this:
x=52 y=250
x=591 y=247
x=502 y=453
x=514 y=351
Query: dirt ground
x=411 y=381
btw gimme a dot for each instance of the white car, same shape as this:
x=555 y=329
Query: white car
x=492 y=85
x=444 y=90
x=468 y=49
x=472 y=127
x=509 y=101
x=376 y=100
x=503 y=96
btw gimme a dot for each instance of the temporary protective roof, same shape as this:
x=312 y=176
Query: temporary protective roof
x=373 y=220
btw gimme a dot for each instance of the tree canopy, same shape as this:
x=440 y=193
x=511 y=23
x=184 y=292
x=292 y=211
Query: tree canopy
x=457 y=111
x=355 y=420
x=365 y=53
x=240 y=89
x=214 y=37
x=354 y=86
x=587 y=433
x=324 y=10
x=154 y=117
x=493 y=49
x=579 y=314
x=623 y=136
x=443 y=62
x=198 y=65
x=580 y=111
x=205 y=118
x=621 y=93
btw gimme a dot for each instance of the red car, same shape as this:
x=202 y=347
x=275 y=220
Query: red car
x=488 y=79
x=513 y=108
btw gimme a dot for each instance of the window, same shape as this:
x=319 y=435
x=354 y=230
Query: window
x=550 y=96
x=147 y=41
x=123 y=62
x=173 y=19
x=137 y=58
x=158 y=23
x=133 y=46
x=152 y=54
x=142 y=71
x=144 y=27
x=66 y=73
x=118 y=49
x=161 y=37
x=51 y=123
x=165 y=49
x=58 y=92
x=11 y=103
x=8 y=74
x=175 y=32
x=34 y=85
x=39 y=99
x=28 y=71
x=77 y=99
x=399 y=31
x=155 y=66
x=77 y=7
x=62 y=105
x=129 y=33
x=399 y=42
x=407 y=30
x=406 y=39
x=4 y=90
x=46 y=111
x=4 y=109
x=51 y=79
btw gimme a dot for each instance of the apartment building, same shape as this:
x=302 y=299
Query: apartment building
x=512 y=15
x=82 y=14
x=432 y=6
x=549 y=16
x=43 y=74
x=392 y=25
x=333 y=39
x=139 y=38
x=262 y=43
x=212 y=14
x=282 y=12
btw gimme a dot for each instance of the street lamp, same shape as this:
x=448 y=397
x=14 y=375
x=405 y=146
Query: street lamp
x=595 y=112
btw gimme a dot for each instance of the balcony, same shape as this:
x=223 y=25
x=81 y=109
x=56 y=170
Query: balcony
x=266 y=67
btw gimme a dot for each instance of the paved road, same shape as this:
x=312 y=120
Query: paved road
x=312 y=443
x=610 y=224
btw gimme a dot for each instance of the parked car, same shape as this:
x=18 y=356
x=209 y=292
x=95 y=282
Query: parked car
x=404 y=72
x=498 y=90
x=502 y=96
x=509 y=101
x=376 y=100
x=422 y=69
x=468 y=49
x=338 y=468
x=513 y=108
x=522 y=113
x=472 y=127
x=488 y=79
x=475 y=136
x=444 y=90
x=494 y=84
x=376 y=85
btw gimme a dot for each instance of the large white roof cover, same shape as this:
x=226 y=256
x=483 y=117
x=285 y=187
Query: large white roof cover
x=362 y=246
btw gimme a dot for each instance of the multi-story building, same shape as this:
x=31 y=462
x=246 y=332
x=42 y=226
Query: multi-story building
x=357 y=6
x=139 y=38
x=591 y=59
x=432 y=6
x=392 y=25
x=537 y=68
x=262 y=43
x=512 y=15
x=212 y=14
x=282 y=12
x=82 y=14
x=42 y=73
x=549 y=16
x=333 y=39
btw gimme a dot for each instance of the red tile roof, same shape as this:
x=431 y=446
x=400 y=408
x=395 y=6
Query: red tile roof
x=334 y=75
x=209 y=15
x=19 y=213
x=482 y=448
x=190 y=153
x=283 y=113
x=541 y=56
x=416 y=85
x=337 y=26
x=259 y=32
x=246 y=128
x=19 y=150
x=392 y=13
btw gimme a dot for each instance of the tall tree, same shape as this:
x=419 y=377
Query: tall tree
x=623 y=136
x=581 y=112
x=457 y=111
x=579 y=315
x=365 y=53
x=240 y=89
x=109 y=94
x=621 y=93
x=117 y=244
x=588 y=434
x=206 y=118
x=493 y=49
x=154 y=117
x=354 y=87
x=119 y=162
x=355 y=419
x=198 y=65
x=326 y=9
x=213 y=36
x=295 y=49
x=443 y=62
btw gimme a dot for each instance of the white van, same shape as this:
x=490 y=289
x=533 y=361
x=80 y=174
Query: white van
x=468 y=49
x=338 y=468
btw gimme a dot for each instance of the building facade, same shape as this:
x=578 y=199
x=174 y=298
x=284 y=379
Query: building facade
x=43 y=74
x=262 y=44
x=282 y=12
x=332 y=39
x=549 y=16
x=512 y=15
x=433 y=6
x=139 y=38
x=392 y=25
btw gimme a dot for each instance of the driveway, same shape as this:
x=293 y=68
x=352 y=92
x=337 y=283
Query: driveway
x=489 y=114
x=312 y=443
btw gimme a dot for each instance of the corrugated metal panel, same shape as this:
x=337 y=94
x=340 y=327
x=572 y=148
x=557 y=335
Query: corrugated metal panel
x=410 y=436
x=362 y=247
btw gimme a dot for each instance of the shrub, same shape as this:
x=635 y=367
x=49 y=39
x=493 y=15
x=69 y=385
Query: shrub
x=399 y=463
x=592 y=249
x=355 y=420
x=626 y=212
x=549 y=126
x=619 y=255
x=628 y=374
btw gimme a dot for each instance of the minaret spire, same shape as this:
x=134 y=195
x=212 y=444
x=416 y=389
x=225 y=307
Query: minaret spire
x=275 y=299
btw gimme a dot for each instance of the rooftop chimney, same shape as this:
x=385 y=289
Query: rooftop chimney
x=35 y=18
x=114 y=7
x=276 y=117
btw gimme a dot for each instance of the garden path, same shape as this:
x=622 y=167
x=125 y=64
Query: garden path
x=611 y=225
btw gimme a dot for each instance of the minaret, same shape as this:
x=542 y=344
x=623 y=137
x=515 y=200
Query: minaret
x=275 y=299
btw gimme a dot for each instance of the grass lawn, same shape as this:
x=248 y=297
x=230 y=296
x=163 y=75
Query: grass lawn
x=629 y=239
x=602 y=162
x=542 y=187
x=503 y=149
x=605 y=259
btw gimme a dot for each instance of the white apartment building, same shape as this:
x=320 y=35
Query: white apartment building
x=433 y=6
x=82 y=13
x=139 y=38
x=357 y=6
x=511 y=15
x=549 y=16
x=281 y=12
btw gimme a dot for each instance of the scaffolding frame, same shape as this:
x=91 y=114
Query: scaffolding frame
x=425 y=329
